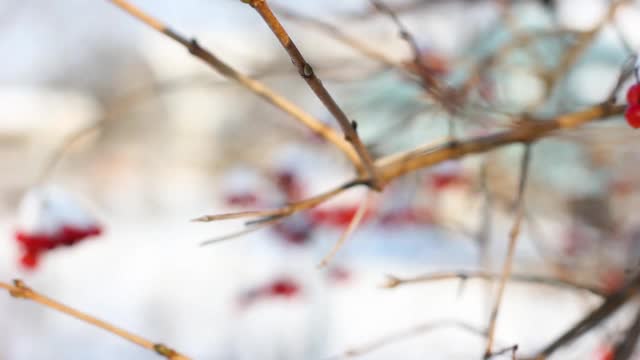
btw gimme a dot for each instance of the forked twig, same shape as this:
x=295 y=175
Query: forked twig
x=306 y=72
x=397 y=165
x=249 y=83
x=287 y=210
x=20 y=290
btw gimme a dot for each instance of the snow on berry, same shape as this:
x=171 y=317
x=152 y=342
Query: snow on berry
x=240 y=187
x=49 y=217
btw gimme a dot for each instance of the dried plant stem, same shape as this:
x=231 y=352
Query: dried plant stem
x=610 y=305
x=20 y=290
x=338 y=34
x=306 y=72
x=513 y=240
x=249 y=83
x=353 y=225
x=394 y=166
x=626 y=347
x=394 y=281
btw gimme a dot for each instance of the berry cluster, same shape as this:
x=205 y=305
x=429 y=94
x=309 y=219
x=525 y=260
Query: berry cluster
x=34 y=244
x=49 y=218
x=633 y=110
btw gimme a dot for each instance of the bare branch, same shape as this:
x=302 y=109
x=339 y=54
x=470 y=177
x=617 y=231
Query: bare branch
x=625 y=348
x=394 y=281
x=513 y=238
x=306 y=72
x=339 y=35
x=610 y=305
x=249 y=83
x=353 y=224
x=20 y=290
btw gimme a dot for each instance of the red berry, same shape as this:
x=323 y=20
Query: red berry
x=633 y=115
x=289 y=184
x=633 y=94
x=612 y=281
x=284 y=288
x=605 y=352
x=30 y=259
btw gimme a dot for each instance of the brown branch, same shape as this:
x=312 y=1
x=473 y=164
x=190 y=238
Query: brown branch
x=428 y=81
x=20 y=290
x=626 y=347
x=393 y=281
x=287 y=210
x=339 y=35
x=353 y=224
x=306 y=72
x=513 y=239
x=394 y=166
x=249 y=83
x=610 y=305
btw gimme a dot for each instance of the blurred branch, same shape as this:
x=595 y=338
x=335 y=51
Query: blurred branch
x=349 y=128
x=393 y=281
x=283 y=211
x=513 y=239
x=20 y=290
x=394 y=166
x=610 y=305
x=353 y=224
x=339 y=35
x=625 y=348
x=251 y=84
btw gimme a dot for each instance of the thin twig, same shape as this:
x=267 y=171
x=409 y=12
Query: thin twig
x=626 y=347
x=429 y=83
x=338 y=34
x=248 y=230
x=513 y=239
x=394 y=281
x=353 y=225
x=306 y=72
x=20 y=290
x=249 y=83
x=287 y=210
x=610 y=305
